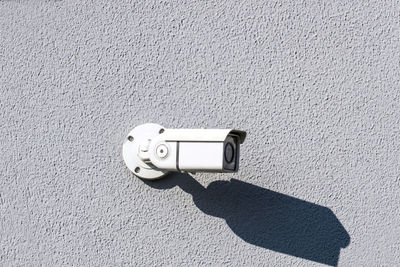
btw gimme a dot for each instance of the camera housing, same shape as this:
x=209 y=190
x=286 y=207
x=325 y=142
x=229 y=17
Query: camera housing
x=150 y=151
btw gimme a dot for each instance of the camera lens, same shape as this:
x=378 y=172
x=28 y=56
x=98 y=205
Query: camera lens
x=228 y=152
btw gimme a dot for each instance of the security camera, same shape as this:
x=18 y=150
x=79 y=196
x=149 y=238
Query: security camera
x=150 y=151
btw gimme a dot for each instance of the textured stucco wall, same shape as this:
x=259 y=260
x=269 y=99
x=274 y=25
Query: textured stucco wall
x=316 y=84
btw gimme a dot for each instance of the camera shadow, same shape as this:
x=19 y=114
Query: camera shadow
x=266 y=218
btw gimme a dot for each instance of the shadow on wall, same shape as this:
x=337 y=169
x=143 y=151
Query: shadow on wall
x=266 y=218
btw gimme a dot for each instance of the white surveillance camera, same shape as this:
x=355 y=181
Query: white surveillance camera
x=151 y=151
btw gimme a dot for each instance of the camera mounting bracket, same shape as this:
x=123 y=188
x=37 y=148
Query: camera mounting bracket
x=135 y=151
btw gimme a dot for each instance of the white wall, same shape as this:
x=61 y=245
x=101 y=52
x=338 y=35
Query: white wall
x=316 y=85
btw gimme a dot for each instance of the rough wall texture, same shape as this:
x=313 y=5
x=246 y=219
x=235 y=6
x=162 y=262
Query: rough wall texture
x=316 y=84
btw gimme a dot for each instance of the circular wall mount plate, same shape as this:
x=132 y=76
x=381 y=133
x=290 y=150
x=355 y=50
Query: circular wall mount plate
x=130 y=149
